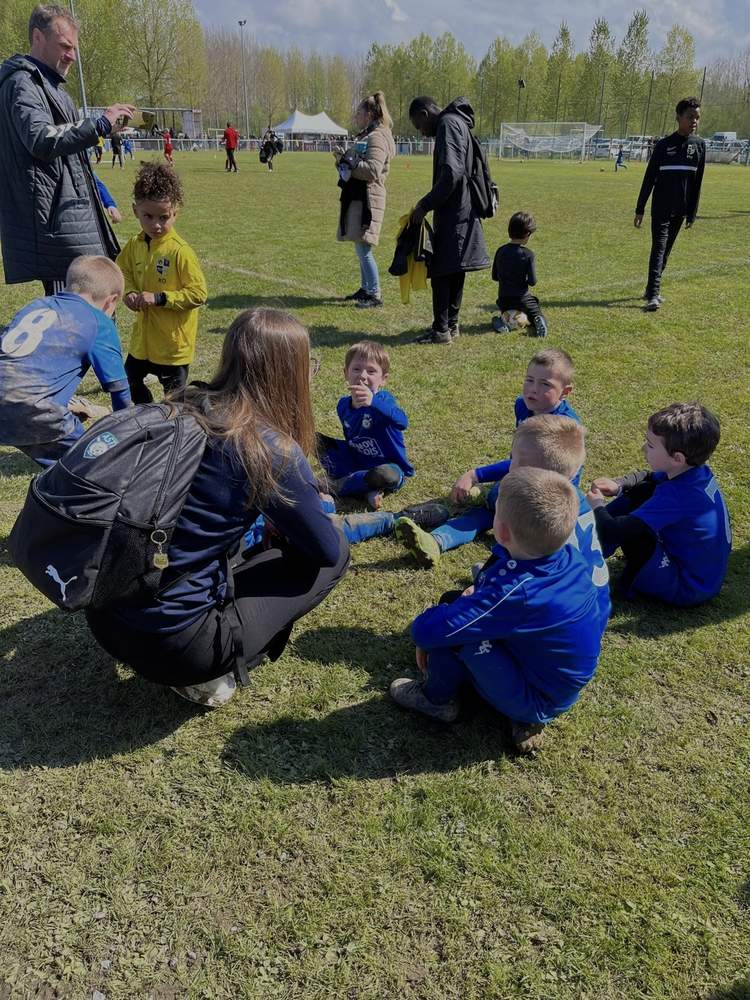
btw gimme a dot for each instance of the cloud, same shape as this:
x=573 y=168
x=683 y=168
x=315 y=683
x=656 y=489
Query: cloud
x=396 y=13
x=720 y=27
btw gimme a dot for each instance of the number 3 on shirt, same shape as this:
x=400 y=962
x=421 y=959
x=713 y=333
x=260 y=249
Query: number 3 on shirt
x=26 y=335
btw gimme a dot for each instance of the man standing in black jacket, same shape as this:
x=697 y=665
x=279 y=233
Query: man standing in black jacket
x=458 y=243
x=674 y=173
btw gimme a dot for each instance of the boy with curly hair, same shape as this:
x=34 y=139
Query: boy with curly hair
x=164 y=286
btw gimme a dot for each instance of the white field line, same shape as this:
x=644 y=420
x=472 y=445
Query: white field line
x=274 y=279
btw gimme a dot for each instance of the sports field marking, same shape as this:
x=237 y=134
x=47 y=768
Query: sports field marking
x=274 y=279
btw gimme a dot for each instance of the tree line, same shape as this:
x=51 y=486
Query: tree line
x=156 y=53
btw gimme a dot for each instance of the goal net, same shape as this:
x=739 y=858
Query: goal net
x=545 y=139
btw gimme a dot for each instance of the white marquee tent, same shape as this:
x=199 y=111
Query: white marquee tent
x=299 y=124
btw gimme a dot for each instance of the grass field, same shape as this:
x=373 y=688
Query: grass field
x=312 y=841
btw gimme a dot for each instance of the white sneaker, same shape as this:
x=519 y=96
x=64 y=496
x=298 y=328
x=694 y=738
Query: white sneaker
x=212 y=694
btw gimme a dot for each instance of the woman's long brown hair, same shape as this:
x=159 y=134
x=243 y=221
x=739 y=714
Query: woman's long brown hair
x=263 y=383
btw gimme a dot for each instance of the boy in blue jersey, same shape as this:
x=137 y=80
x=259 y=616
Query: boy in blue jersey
x=671 y=523
x=527 y=634
x=47 y=349
x=372 y=459
x=548 y=383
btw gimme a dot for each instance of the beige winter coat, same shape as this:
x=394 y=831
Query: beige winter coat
x=374 y=169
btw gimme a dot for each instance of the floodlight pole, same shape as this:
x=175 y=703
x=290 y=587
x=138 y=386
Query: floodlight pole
x=84 y=102
x=244 y=77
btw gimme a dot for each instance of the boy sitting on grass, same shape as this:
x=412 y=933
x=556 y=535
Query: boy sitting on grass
x=46 y=350
x=671 y=523
x=548 y=383
x=372 y=459
x=527 y=634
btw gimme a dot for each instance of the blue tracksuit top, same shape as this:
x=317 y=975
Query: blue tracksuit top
x=492 y=473
x=544 y=612
x=690 y=519
x=376 y=432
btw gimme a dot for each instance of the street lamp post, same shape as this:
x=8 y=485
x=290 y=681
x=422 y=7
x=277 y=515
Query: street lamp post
x=244 y=78
x=84 y=102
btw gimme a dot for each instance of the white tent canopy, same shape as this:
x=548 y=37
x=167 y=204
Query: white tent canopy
x=299 y=124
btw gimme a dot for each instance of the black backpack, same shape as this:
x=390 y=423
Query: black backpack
x=485 y=195
x=95 y=527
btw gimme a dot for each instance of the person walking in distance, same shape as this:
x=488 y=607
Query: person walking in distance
x=674 y=174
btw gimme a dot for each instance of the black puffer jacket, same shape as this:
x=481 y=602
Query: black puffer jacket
x=458 y=243
x=50 y=210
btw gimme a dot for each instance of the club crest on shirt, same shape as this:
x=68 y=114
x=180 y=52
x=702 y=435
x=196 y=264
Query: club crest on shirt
x=162 y=265
x=691 y=149
x=101 y=444
x=366 y=422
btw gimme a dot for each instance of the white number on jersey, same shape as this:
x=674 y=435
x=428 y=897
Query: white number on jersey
x=26 y=335
x=585 y=538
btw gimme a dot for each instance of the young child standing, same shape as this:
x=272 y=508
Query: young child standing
x=164 y=285
x=671 y=523
x=514 y=270
x=372 y=459
x=548 y=383
x=527 y=634
x=46 y=350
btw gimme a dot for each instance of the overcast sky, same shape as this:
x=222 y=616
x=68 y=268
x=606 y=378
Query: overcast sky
x=720 y=27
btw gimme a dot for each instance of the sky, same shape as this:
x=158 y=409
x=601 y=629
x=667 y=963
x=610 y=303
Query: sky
x=347 y=27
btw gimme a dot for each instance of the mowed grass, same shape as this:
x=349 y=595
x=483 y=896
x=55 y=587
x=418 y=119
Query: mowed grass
x=311 y=840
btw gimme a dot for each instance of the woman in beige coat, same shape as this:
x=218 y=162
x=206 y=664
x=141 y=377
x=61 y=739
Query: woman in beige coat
x=361 y=218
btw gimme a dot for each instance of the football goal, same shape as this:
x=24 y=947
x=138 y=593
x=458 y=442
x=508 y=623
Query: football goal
x=568 y=140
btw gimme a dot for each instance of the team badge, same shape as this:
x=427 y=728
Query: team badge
x=100 y=444
x=162 y=265
x=366 y=422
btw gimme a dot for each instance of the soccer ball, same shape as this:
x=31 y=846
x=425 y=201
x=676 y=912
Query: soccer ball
x=516 y=319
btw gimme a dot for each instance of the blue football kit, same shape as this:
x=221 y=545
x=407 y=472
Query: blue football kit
x=528 y=638
x=45 y=351
x=373 y=436
x=465 y=527
x=689 y=518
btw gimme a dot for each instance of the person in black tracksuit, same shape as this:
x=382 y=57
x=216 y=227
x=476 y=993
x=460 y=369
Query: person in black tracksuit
x=674 y=174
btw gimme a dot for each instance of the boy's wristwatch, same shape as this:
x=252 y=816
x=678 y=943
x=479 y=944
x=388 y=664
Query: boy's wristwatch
x=161 y=298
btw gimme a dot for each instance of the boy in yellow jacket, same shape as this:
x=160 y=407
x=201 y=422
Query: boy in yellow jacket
x=164 y=285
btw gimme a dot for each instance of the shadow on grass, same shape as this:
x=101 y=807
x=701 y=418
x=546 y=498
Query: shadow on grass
x=17 y=464
x=282 y=301
x=648 y=620
x=62 y=702
x=737 y=991
x=374 y=739
x=333 y=336
x=635 y=303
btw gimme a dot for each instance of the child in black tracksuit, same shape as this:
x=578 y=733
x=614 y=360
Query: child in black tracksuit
x=674 y=174
x=513 y=268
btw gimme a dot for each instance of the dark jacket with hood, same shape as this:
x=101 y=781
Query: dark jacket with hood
x=50 y=212
x=458 y=242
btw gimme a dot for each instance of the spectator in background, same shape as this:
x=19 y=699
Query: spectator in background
x=458 y=244
x=49 y=209
x=231 y=140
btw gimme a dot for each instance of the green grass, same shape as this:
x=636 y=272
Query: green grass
x=312 y=841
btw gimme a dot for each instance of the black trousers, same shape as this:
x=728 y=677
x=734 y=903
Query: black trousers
x=664 y=230
x=527 y=303
x=447 y=293
x=171 y=377
x=273 y=589
x=231 y=162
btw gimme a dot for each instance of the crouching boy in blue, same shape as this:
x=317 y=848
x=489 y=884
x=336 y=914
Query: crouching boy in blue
x=47 y=349
x=372 y=459
x=671 y=523
x=527 y=634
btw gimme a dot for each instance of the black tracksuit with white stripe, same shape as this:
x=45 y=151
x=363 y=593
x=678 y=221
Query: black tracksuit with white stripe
x=674 y=174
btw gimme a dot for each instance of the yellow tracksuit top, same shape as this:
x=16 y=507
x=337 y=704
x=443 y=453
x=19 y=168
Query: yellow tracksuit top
x=164 y=334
